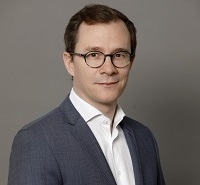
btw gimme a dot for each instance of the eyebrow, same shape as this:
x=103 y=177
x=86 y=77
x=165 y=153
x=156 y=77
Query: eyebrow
x=101 y=49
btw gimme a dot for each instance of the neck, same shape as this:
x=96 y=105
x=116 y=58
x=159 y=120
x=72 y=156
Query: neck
x=108 y=111
x=107 y=108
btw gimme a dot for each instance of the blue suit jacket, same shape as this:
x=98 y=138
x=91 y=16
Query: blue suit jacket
x=60 y=149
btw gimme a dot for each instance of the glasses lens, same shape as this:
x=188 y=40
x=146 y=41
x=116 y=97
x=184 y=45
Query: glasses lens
x=94 y=58
x=121 y=59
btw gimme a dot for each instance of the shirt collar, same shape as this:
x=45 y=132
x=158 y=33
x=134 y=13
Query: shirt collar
x=88 y=112
x=85 y=109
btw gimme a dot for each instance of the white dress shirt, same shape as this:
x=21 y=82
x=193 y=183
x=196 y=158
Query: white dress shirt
x=112 y=142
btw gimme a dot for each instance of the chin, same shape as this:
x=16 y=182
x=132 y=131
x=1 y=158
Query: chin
x=108 y=99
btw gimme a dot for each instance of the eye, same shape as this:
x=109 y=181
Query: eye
x=94 y=55
x=120 y=55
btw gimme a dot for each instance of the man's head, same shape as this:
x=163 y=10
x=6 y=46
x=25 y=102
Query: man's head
x=94 y=14
x=100 y=46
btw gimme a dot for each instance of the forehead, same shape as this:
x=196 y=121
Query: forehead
x=107 y=36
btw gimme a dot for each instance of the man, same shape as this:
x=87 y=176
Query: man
x=88 y=140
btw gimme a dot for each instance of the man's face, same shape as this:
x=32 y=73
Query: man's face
x=99 y=86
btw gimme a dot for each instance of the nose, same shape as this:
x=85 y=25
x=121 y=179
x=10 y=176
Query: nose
x=108 y=67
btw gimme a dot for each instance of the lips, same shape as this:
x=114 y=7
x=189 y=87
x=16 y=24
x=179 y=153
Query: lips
x=107 y=83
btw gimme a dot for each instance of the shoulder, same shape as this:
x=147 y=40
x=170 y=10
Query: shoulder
x=42 y=134
x=31 y=147
x=51 y=120
x=48 y=126
x=33 y=134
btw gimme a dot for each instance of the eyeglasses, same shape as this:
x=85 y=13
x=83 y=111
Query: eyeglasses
x=96 y=59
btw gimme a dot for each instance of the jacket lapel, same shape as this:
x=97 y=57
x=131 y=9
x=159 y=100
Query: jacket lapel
x=88 y=142
x=133 y=148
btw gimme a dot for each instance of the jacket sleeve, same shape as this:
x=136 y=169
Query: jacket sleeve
x=32 y=161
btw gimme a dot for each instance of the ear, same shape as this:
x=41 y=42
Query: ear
x=69 y=65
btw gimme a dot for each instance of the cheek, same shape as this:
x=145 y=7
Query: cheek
x=124 y=80
x=79 y=69
x=124 y=76
x=83 y=75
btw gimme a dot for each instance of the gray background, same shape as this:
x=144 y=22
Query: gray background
x=163 y=90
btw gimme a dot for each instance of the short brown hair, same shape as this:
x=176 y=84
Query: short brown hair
x=94 y=14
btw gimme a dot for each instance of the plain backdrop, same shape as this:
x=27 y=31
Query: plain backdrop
x=163 y=90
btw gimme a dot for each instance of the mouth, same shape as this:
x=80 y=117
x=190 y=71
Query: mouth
x=107 y=83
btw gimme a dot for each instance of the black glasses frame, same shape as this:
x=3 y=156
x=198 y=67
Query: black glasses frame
x=105 y=55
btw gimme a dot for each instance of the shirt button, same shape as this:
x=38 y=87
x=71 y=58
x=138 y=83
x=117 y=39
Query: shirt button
x=105 y=122
x=118 y=172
